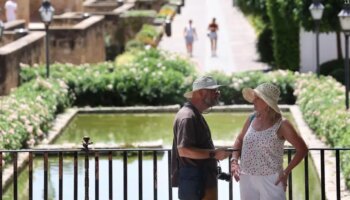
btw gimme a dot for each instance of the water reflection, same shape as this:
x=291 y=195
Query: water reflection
x=133 y=179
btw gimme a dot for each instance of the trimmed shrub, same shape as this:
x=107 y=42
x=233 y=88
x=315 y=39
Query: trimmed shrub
x=285 y=30
x=264 y=45
x=334 y=68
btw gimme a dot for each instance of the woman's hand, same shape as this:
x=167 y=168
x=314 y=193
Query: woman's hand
x=283 y=178
x=235 y=170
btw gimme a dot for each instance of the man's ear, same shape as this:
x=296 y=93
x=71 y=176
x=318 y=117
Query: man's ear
x=199 y=93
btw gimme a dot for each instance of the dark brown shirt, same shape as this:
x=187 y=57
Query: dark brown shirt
x=213 y=27
x=191 y=130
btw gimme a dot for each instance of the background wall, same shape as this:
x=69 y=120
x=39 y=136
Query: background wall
x=327 y=49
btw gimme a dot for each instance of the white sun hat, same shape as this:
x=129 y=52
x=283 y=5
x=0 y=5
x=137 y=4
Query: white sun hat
x=204 y=82
x=268 y=92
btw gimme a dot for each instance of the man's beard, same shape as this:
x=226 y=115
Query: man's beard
x=211 y=102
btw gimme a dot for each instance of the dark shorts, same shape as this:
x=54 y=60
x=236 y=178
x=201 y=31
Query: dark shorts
x=191 y=183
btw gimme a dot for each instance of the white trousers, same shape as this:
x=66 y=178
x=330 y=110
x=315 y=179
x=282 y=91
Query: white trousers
x=261 y=188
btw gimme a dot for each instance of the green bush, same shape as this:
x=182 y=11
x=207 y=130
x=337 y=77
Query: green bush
x=138 y=13
x=149 y=77
x=167 y=11
x=334 y=68
x=264 y=46
x=134 y=44
x=322 y=104
x=285 y=28
x=27 y=112
x=149 y=35
x=233 y=85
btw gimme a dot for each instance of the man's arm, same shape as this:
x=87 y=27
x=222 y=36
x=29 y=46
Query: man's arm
x=195 y=153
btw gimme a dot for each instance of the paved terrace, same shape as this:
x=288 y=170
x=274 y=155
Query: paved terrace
x=236 y=37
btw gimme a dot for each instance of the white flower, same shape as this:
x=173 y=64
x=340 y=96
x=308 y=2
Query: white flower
x=110 y=86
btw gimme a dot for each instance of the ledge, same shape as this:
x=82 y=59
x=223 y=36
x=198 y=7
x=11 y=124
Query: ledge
x=21 y=42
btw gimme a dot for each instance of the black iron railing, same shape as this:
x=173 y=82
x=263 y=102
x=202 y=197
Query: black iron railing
x=88 y=153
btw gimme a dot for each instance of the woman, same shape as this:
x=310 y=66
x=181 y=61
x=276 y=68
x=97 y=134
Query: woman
x=213 y=36
x=261 y=141
x=190 y=35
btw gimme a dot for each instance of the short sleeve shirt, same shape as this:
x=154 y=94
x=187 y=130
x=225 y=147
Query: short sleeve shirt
x=191 y=130
x=213 y=27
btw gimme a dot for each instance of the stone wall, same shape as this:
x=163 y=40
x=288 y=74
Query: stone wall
x=79 y=43
x=149 y=4
x=91 y=41
x=28 y=49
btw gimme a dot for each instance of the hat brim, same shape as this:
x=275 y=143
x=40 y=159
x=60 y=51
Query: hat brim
x=249 y=94
x=189 y=94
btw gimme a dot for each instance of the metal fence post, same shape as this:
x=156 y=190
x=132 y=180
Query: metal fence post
x=86 y=144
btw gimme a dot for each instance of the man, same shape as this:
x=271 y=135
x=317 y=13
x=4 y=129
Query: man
x=194 y=158
x=11 y=10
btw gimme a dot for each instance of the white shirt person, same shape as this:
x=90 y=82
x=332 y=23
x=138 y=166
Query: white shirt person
x=11 y=10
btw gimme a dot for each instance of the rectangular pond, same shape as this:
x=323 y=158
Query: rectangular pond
x=113 y=129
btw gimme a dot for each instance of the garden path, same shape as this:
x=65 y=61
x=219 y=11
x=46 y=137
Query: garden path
x=236 y=37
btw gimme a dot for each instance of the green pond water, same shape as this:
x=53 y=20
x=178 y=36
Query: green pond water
x=129 y=128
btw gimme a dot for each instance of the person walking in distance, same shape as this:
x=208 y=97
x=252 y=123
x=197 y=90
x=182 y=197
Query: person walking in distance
x=11 y=10
x=213 y=36
x=194 y=158
x=261 y=143
x=190 y=35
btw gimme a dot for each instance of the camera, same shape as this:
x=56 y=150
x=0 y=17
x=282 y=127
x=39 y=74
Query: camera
x=222 y=176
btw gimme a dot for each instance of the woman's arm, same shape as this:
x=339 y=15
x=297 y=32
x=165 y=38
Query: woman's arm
x=288 y=132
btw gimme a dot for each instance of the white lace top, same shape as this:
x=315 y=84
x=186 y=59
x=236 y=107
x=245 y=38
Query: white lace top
x=262 y=151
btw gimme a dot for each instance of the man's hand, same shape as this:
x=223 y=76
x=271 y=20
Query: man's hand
x=221 y=153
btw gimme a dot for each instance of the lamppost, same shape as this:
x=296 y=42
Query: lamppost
x=47 y=12
x=344 y=19
x=120 y=2
x=316 y=9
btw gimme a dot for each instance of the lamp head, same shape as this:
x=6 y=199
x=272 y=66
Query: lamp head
x=344 y=17
x=120 y=2
x=316 y=9
x=46 y=11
